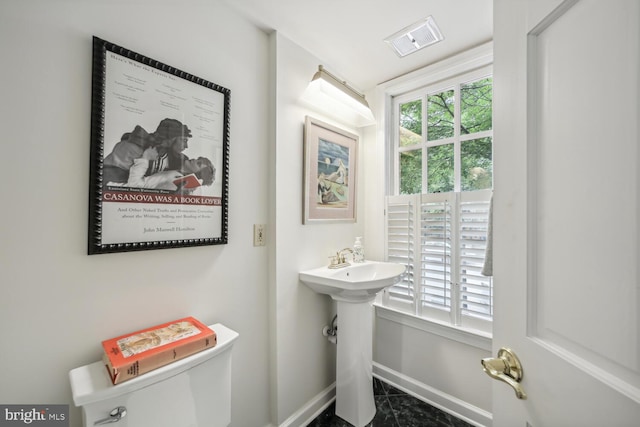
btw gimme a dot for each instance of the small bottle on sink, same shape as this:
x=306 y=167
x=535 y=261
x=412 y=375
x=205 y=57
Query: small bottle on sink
x=358 y=250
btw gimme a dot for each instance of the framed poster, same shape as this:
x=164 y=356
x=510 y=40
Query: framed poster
x=159 y=155
x=330 y=172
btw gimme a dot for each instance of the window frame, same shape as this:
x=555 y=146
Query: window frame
x=473 y=64
x=461 y=63
x=457 y=139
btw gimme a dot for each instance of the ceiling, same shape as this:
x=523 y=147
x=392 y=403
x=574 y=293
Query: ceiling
x=348 y=35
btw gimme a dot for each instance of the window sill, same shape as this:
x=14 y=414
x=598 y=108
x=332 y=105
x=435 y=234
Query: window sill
x=472 y=337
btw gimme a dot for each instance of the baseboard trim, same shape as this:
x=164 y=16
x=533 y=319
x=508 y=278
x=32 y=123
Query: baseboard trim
x=312 y=408
x=450 y=404
x=441 y=400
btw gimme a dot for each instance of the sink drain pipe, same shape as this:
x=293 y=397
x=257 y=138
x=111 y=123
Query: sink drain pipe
x=331 y=332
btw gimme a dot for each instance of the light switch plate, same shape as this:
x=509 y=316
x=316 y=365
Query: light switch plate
x=259 y=234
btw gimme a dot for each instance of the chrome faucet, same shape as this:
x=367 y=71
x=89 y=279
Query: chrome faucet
x=339 y=260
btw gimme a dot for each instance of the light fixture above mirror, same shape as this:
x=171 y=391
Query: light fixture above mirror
x=336 y=98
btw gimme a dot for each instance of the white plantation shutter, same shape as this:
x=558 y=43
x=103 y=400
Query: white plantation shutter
x=437 y=232
x=476 y=290
x=401 y=224
x=442 y=239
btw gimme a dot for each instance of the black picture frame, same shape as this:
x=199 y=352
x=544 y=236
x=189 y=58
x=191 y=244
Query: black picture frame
x=143 y=114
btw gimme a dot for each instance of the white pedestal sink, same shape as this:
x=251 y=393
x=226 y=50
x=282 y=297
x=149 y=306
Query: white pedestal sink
x=354 y=287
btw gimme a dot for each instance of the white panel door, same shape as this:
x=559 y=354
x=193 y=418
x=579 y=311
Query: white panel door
x=566 y=210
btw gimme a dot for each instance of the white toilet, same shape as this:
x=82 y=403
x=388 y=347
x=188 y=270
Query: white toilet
x=192 y=392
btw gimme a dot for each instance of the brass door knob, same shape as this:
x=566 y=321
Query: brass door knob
x=506 y=367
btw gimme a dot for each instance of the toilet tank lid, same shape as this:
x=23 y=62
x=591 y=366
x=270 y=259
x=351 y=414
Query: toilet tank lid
x=91 y=383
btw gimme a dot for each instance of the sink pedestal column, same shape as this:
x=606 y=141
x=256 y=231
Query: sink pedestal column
x=354 y=380
x=354 y=287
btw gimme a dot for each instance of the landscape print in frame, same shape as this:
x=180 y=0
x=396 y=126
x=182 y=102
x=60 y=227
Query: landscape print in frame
x=159 y=155
x=330 y=173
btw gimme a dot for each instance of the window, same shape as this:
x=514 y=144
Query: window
x=437 y=215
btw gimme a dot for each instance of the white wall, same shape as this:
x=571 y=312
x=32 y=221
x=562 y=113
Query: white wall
x=443 y=371
x=57 y=303
x=304 y=365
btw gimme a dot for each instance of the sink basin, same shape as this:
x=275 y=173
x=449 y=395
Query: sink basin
x=356 y=283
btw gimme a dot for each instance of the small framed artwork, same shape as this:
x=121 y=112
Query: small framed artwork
x=159 y=155
x=330 y=173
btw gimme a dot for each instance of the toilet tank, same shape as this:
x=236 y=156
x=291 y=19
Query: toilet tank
x=192 y=392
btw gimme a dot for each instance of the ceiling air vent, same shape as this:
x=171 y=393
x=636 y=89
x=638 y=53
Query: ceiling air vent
x=414 y=37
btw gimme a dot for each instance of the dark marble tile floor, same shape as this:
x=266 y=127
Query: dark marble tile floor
x=394 y=408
